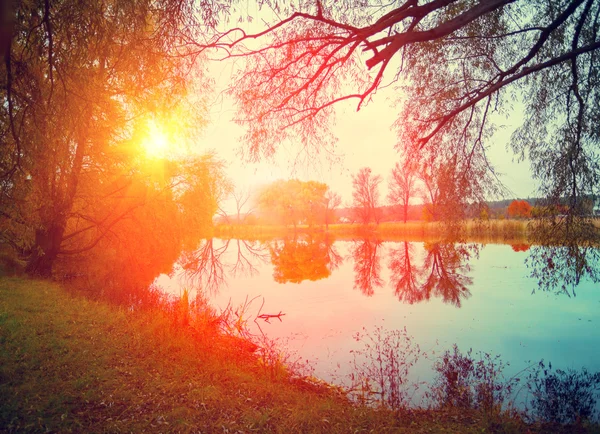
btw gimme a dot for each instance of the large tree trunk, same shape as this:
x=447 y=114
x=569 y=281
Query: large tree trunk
x=45 y=251
x=49 y=237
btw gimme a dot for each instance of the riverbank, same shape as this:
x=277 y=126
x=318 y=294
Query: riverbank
x=69 y=364
x=499 y=231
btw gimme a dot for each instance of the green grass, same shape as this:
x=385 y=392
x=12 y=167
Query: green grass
x=68 y=364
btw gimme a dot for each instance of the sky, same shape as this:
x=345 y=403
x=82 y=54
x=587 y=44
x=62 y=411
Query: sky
x=365 y=138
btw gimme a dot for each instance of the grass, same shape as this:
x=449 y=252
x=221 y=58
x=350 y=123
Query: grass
x=68 y=364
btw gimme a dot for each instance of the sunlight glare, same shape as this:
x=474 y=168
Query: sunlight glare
x=157 y=143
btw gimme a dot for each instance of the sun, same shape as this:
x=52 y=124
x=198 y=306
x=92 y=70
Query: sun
x=157 y=143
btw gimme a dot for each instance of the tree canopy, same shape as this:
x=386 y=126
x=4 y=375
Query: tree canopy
x=365 y=196
x=452 y=62
x=80 y=83
x=519 y=209
x=294 y=202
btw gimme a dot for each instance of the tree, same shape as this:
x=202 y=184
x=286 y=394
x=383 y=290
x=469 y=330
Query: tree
x=332 y=201
x=449 y=188
x=293 y=201
x=122 y=257
x=402 y=186
x=519 y=209
x=366 y=195
x=240 y=197
x=454 y=61
x=80 y=80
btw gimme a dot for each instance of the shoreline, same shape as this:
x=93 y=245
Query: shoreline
x=70 y=363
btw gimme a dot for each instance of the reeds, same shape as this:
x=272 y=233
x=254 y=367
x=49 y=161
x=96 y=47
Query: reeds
x=470 y=230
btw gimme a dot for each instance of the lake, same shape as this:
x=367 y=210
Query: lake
x=334 y=306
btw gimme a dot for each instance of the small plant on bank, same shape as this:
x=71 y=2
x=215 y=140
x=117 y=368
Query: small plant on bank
x=471 y=382
x=381 y=367
x=563 y=397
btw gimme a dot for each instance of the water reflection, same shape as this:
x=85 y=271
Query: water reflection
x=418 y=272
x=443 y=273
x=563 y=396
x=560 y=268
x=448 y=264
x=566 y=251
x=209 y=266
x=303 y=258
x=366 y=255
x=520 y=247
x=501 y=317
x=405 y=277
x=249 y=254
x=380 y=373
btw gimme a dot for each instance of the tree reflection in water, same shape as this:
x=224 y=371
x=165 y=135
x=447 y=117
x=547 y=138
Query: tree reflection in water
x=303 y=258
x=560 y=268
x=406 y=275
x=208 y=266
x=443 y=270
x=447 y=264
x=367 y=265
x=563 y=396
x=443 y=274
x=248 y=255
x=565 y=251
x=380 y=373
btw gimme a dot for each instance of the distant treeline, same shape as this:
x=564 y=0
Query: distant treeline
x=499 y=209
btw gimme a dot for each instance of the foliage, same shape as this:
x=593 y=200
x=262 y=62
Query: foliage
x=453 y=63
x=303 y=258
x=167 y=217
x=365 y=196
x=402 y=186
x=77 y=364
x=380 y=368
x=82 y=83
x=519 y=209
x=448 y=190
x=563 y=396
x=294 y=201
x=80 y=365
x=464 y=381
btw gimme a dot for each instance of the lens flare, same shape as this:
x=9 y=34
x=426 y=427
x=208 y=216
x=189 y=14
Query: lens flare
x=157 y=143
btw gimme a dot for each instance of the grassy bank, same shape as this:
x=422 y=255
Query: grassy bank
x=69 y=364
x=507 y=231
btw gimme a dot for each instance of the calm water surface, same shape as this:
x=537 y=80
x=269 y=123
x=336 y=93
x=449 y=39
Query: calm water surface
x=474 y=296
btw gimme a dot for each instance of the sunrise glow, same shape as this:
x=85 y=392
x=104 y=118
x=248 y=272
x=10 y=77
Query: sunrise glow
x=300 y=216
x=157 y=144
